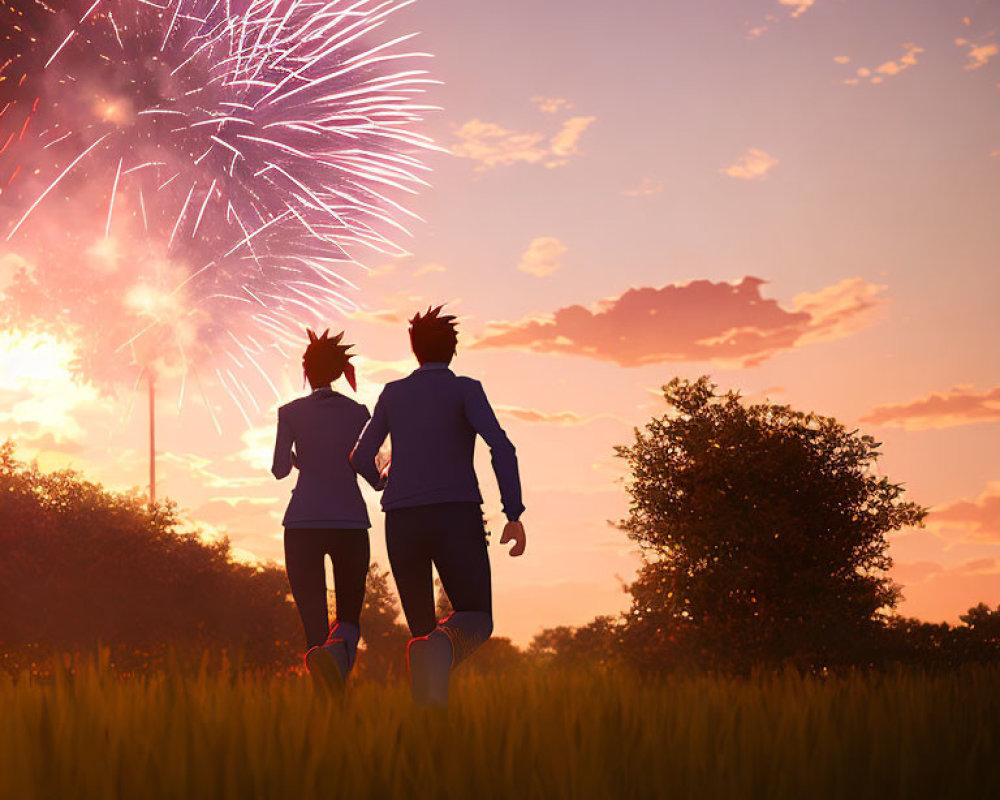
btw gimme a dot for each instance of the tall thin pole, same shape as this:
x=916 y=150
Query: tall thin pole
x=152 y=439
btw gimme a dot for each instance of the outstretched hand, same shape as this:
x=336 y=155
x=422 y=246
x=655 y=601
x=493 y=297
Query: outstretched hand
x=514 y=532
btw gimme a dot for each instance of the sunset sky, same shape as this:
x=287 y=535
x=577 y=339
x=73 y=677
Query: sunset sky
x=797 y=197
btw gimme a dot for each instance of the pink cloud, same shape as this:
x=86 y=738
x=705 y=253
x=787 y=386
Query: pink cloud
x=566 y=142
x=551 y=105
x=491 y=145
x=886 y=69
x=728 y=323
x=646 y=187
x=907 y=60
x=543 y=256
x=961 y=405
x=836 y=311
x=427 y=269
x=940 y=593
x=394 y=308
x=799 y=7
x=543 y=417
x=979 y=518
x=978 y=55
x=752 y=165
x=228 y=512
x=51 y=442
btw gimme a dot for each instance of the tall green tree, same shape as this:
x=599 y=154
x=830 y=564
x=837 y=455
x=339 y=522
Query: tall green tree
x=763 y=531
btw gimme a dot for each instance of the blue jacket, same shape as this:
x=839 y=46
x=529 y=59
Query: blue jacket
x=323 y=427
x=433 y=417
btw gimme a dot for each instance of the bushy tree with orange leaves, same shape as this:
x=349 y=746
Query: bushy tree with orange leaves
x=763 y=531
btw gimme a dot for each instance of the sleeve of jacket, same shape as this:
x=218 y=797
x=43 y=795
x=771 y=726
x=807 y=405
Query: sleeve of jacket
x=480 y=414
x=281 y=464
x=363 y=455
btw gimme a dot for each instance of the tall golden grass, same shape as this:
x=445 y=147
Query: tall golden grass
x=535 y=733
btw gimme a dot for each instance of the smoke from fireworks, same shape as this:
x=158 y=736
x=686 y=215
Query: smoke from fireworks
x=186 y=177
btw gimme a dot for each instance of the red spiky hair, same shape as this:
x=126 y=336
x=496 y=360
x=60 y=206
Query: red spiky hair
x=326 y=359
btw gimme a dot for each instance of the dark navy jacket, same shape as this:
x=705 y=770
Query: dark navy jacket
x=433 y=417
x=323 y=427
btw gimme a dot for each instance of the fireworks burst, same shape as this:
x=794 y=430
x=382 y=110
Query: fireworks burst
x=188 y=176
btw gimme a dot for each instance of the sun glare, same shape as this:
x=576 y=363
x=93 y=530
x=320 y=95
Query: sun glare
x=36 y=371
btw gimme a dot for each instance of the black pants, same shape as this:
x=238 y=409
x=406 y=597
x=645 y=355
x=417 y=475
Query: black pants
x=305 y=553
x=452 y=537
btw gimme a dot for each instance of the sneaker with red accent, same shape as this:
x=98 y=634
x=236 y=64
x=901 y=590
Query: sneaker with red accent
x=429 y=658
x=328 y=665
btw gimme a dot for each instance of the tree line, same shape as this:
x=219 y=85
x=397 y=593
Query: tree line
x=762 y=531
x=84 y=569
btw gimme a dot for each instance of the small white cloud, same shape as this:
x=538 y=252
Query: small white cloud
x=978 y=55
x=565 y=143
x=646 y=187
x=885 y=69
x=799 y=7
x=543 y=256
x=258 y=447
x=428 y=268
x=752 y=165
x=756 y=31
x=907 y=60
x=381 y=270
x=491 y=145
x=552 y=105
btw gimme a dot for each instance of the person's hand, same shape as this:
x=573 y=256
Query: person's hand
x=383 y=473
x=514 y=532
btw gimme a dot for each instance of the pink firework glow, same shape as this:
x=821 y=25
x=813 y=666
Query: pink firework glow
x=184 y=180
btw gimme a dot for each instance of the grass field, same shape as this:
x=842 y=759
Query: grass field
x=533 y=734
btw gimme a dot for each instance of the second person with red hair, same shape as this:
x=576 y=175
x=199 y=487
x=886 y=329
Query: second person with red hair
x=326 y=515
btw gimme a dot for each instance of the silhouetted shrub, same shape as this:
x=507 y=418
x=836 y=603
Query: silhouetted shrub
x=597 y=643
x=80 y=565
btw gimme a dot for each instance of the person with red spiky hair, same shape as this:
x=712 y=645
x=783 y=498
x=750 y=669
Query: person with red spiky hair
x=327 y=515
x=432 y=503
